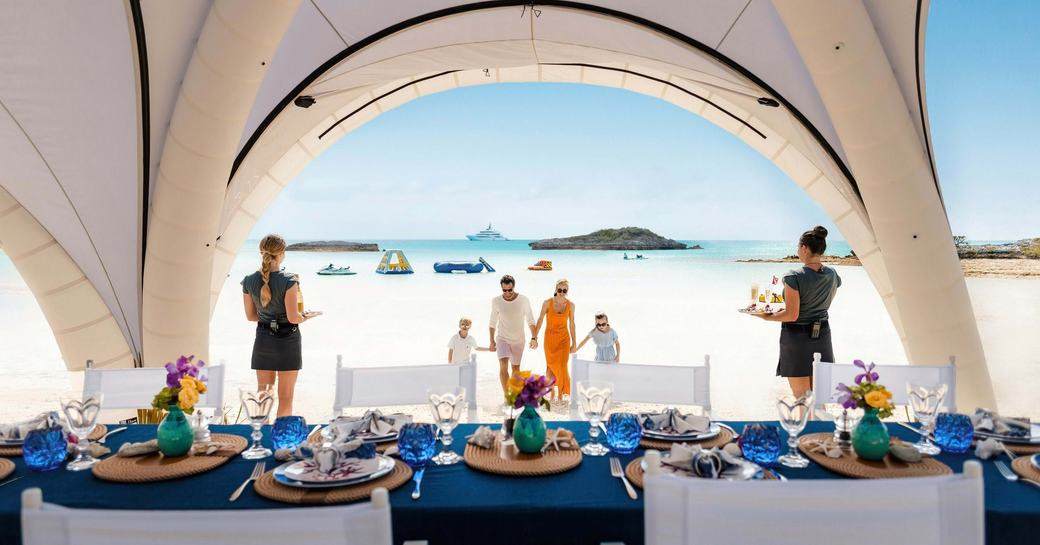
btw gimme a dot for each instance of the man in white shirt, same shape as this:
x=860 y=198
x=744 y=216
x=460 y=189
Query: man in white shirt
x=509 y=313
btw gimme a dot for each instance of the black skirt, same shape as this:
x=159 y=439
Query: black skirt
x=797 y=347
x=280 y=350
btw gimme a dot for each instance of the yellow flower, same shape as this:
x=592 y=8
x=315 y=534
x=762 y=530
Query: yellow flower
x=516 y=382
x=877 y=398
x=189 y=394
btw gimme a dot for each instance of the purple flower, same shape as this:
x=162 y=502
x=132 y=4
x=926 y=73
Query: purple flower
x=868 y=373
x=183 y=368
x=173 y=376
x=535 y=388
x=845 y=396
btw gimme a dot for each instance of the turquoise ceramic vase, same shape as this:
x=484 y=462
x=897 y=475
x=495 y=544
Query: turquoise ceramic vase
x=175 y=434
x=870 y=439
x=529 y=431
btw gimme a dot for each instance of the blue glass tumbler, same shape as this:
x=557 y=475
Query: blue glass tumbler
x=623 y=432
x=288 y=432
x=45 y=449
x=953 y=432
x=417 y=443
x=761 y=444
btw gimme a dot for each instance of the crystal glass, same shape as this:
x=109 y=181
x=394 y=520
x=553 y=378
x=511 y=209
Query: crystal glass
x=794 y=413
x=925 y=402
x=623 y=432
x=416 y=444
x=761 y=444
x=45 y=449
x=288 y=432
x=953 y=432
x=257 y=406
x=594 y=401
x=845 y=421
x=447 y=409
x=82 y=415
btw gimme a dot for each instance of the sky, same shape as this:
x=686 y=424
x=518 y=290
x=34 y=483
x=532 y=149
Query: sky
x=541 y=160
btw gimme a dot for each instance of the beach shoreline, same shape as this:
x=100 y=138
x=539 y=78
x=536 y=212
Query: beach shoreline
x=973 y=267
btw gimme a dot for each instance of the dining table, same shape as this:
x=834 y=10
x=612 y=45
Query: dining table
x=460 y=505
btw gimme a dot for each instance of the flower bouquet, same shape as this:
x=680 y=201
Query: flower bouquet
x=870 y=439
x=179 y=396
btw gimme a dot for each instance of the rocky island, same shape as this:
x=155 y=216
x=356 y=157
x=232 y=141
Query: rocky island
x=625 y=238
x=332 y=246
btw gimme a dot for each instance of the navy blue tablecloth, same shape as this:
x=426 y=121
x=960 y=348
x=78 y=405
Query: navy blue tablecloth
x=461 y=506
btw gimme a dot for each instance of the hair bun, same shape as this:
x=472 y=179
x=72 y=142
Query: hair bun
x=820 y=231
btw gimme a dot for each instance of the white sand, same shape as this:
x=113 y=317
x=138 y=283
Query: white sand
x=668 y=311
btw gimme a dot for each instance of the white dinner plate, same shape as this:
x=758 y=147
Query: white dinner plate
x=279 y=475
x=1036 y=460
x=1032 y=439
x=348 y=470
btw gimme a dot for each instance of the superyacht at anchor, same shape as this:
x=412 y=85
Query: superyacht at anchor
x=487 y=234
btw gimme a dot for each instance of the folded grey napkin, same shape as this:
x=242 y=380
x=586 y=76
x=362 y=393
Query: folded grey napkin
x=705 y=463
x=328 y=455
x=673 y=421
x=989 y=421
x=372 y=422
x=18 y=430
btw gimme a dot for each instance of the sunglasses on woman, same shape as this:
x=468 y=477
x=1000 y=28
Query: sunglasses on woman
x=561 y=290
x=604 y=324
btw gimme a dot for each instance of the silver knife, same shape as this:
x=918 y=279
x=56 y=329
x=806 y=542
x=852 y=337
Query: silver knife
x=418 y=482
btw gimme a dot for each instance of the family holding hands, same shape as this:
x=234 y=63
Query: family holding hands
x=511 y=313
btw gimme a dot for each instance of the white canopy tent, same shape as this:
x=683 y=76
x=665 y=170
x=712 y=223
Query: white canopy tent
x=144 y=139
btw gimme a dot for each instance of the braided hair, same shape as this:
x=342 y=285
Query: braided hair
x=271 y=248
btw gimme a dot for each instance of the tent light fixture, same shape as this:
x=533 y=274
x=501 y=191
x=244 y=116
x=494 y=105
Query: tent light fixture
x=765 y=101
x=305 y=101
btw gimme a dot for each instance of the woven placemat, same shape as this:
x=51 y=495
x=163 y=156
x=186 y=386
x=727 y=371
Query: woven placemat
x=634 y=472
x=271 y=489
x=1022 y=449
x=1025 y=468
x=99 y=431
x=724 y=436
x=6 y=468
x=508 y=461
x=851 y=465
x=155 y=467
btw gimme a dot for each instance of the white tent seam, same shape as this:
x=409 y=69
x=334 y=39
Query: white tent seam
x=84 y=325
x=64 y=287
x=733 y=24
x=332 y=26
x=34 y=251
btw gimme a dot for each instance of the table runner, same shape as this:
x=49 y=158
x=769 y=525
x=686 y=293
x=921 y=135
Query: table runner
x=463 y=506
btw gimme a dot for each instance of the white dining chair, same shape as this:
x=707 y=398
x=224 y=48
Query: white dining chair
x=827 y=376
x=363 y=386
x=635 y=383
x=943 y=510
x=359 y=524
x=134 y=388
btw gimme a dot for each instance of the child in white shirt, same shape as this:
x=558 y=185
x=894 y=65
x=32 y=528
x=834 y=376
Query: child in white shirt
x=462 y=343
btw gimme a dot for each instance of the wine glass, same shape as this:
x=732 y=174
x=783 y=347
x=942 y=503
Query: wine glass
x=594 y=401
x=447 y=408
x=794 y=413
x=257 y=405
x=82 y=415
x=925 y=403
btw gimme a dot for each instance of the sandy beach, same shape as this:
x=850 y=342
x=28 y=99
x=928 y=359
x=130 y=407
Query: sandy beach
x=670 y=309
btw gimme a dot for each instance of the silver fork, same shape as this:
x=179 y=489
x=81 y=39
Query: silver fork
x=1012 y=476
x=258 y=470
x=113 y=432
x=616 y=471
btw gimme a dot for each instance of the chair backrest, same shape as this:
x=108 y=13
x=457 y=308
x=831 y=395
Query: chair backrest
x=135 y=388
x=826 y=377
x=665 y=384
x=401 y=384
x=944 y=510
x=360 y=524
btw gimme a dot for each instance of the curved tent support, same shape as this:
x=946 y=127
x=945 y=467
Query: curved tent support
x=855 y=80
x=227 y=67
x=81 y=322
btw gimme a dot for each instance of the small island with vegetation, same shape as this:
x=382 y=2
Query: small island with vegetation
x=332 y=246
x=1019 y=259
x=625 y=238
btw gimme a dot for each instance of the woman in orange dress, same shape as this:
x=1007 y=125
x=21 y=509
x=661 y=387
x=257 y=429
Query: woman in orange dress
x=558 y=314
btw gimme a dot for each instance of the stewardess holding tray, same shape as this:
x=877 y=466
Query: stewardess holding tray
x=272 y=299
x=808 y=293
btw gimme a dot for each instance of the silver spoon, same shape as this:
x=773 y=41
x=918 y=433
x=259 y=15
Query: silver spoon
x=418 y=482
x=113 y=432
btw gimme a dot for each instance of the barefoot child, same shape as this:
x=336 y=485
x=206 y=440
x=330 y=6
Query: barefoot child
x=461 y=344
x=608 y=347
